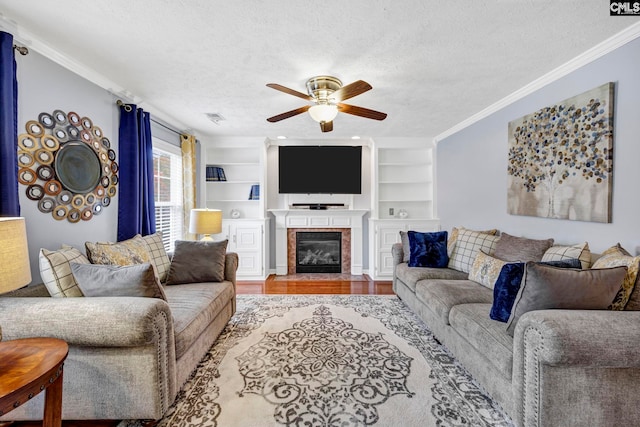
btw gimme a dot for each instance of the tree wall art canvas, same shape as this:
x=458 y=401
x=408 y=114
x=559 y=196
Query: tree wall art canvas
x=560 y=160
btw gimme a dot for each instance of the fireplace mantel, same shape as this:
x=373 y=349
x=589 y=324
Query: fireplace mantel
x=329 y=218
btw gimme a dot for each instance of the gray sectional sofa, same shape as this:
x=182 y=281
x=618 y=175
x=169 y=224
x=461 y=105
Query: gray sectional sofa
x=560 y=367
x=128 y=356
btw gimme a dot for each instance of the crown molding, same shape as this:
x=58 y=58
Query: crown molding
x=620 y=39
x=33 y=42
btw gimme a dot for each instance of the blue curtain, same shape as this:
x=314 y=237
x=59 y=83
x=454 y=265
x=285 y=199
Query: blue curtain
x=136 y=208
x=9 y=201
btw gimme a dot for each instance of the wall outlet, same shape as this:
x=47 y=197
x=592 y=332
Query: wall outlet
x=391 y=211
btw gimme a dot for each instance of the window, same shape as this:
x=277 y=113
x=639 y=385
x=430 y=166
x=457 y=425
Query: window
x=167 y=182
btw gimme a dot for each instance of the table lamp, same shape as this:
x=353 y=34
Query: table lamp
x=205 y=222
x=15 y=271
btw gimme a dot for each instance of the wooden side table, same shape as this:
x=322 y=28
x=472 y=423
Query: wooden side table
x=29 y=366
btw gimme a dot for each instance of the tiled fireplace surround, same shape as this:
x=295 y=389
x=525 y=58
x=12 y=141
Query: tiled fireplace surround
x=291 y=247
x=347 y=221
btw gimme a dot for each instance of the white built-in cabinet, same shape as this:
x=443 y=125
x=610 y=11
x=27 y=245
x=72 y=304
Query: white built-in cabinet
x=246 y=238
x=243 y=165
x=403 y=182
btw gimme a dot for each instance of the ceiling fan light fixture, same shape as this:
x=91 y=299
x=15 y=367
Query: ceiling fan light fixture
x=323 y=113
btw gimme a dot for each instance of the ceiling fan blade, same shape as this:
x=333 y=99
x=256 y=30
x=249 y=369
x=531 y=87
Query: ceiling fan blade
x=289 y=91
x=288 y=114
x=362 y=112
x=350 y=90
x=326 y=126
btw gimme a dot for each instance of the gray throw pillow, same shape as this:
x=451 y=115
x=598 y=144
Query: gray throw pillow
x=96 y=280
x=546 y=287
x=521 y=249
x=197 y=262
x=406 y=247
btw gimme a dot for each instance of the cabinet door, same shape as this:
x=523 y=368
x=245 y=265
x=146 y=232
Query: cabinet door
x=247 y=243
x=386 y=236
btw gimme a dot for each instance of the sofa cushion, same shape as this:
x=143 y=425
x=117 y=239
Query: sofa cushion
x=466 y=249
x=486 y=269
x=428 y=249
x=158 y=254
x=193 y=307
x=196 y=262
x=505 y=291
x=618 y=256
x=411 y=275
x=97 y=280
x=545 y=287
x=486 y=335
x=55 y=270
x=521 y=249
x=127 y=252
x=578 y=251
x=441 y=295
x=508 y=284
x=453 y=236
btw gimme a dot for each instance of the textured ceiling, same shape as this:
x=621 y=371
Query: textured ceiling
x=432 y=64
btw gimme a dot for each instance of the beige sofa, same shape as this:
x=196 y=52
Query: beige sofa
x=128 y=356
x=560 y=368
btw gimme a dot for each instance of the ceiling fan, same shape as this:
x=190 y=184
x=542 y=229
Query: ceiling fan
x=326 y=94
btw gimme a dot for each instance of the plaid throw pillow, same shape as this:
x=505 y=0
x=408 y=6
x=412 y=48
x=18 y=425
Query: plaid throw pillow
x=466 y=249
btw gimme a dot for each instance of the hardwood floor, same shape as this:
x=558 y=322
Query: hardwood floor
x=294 y=287
x=271 y=286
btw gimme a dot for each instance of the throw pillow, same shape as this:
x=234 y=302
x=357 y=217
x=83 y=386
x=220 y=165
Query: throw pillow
x=617 y=256
x=486 y=269
x=545 y=287
x=158 y=254
x=505 y=291
x=521 y=249
x=451 y=243
x=428 y=249
x=56 y=271
x=197 y=261
x=468 y=243
x=578 y=251
x=508 y=284
x=127 y=252
x=97 y=280
x=406 y=248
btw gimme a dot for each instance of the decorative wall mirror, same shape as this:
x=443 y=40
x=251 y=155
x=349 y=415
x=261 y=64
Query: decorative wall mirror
x=67 y=165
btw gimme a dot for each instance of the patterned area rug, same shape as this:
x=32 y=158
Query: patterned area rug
x=329 y=361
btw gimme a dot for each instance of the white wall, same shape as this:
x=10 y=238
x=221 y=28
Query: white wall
x=472 y=163
x=44 y=86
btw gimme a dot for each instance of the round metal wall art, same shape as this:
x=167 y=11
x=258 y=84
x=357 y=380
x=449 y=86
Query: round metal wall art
x=67 y=165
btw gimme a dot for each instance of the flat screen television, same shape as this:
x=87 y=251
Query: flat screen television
x=324 y=169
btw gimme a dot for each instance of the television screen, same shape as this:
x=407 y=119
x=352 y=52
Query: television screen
x=320 y=169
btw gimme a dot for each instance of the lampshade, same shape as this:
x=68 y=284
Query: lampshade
x=15 y=271
x=323 y=112
x=205 y=221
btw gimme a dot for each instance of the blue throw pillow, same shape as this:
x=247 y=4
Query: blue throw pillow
x=505 y=291
x=428 y=249
x=507 y=286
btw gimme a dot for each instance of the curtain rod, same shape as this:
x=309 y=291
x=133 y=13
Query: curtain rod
x=128 y=109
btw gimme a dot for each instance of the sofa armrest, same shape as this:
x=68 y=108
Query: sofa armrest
x=397 y=252
x=578 y=366
x=230 y=267
x=594 y=338
x=87 y=322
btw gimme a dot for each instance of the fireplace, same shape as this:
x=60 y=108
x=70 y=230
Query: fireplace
x=318 y=252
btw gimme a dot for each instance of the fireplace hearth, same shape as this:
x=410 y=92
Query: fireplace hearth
x=318 y=252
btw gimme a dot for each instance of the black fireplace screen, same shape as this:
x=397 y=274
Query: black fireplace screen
x=318 y=252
